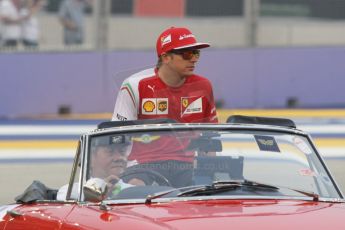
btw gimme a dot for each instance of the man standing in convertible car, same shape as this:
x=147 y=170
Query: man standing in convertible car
x=171 y=90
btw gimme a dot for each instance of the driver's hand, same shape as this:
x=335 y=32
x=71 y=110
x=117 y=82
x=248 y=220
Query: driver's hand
x=111 y=182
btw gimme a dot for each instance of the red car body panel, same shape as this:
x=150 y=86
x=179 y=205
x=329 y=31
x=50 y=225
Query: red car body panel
x=37 y=216
x=205 y=214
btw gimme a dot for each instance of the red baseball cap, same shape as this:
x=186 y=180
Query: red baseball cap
x=176 y=38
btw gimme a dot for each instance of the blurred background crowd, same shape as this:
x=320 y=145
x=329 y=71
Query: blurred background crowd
x=134 y=24
x=119 y=24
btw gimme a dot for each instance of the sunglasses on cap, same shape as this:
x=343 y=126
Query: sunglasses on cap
x=187 y=54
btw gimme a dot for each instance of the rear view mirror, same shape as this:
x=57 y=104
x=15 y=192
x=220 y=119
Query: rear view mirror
x=205 y=145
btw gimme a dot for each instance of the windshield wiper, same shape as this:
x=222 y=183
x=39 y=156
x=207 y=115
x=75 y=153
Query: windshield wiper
x=223 y=186
x=215 y=187
x=315 y=196
x=150 y=197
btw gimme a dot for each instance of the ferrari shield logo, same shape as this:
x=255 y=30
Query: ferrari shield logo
x=165 y=40
x=185 y=102
x=190 y=105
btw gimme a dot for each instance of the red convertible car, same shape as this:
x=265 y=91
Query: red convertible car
x=249 y=173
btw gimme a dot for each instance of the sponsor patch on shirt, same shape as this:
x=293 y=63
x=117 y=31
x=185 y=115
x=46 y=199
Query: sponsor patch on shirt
x=267 y=143
x=191 y=105
x=120 y=117
x=154 y=106
x=149 y=106
x=162 y=105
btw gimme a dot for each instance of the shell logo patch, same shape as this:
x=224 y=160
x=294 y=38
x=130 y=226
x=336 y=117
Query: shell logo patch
x=149 y=106
x=190 y=105
x=154 y=106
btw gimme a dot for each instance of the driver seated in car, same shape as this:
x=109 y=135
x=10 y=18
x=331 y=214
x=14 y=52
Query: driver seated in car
x=108 y=160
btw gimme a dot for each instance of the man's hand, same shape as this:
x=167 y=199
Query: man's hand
x=136 y=182
x=111 y=182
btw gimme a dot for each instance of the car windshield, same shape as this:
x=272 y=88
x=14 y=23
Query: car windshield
x=138 y=164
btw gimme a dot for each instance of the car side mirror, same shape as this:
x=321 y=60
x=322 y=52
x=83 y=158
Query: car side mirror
x=95 y=190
